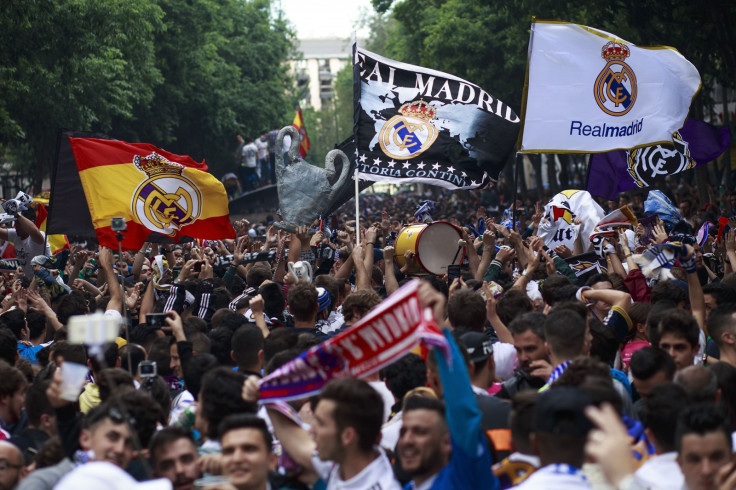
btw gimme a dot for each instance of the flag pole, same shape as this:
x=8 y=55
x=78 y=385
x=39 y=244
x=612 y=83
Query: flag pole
x=517 y=162
x=354 y=50
x=357 y=208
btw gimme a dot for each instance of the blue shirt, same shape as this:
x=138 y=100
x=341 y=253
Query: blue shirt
x=470 y=463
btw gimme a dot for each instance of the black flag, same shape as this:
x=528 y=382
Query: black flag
x=413 y=124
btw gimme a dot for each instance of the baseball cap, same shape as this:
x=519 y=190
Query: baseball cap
x=478 y=345
x=560 y=410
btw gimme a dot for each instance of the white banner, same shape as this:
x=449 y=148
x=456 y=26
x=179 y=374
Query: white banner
x=590 y=91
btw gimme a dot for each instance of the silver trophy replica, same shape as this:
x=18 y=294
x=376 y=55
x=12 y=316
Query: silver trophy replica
x=304 y=190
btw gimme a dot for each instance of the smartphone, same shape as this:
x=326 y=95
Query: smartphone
x=198 y=266
x=453 y=272
x=156 y=319
x=176 y=271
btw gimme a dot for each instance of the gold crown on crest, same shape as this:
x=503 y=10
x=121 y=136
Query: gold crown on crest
x=615 y=51
x=155 y=164
x=419 y=109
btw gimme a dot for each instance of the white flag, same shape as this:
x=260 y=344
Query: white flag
x=590 y=91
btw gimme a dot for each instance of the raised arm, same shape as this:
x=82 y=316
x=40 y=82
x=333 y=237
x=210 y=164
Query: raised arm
x=104 y=259
x=390 y=273
x=296 y=441
x=24 y=226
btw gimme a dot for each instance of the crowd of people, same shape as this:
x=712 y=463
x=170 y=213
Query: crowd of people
x=626 y=379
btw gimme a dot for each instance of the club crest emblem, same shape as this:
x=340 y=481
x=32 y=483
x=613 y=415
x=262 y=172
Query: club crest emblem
x=409 y=133
x=166 y=201
x=646 y=164
x=615 y=87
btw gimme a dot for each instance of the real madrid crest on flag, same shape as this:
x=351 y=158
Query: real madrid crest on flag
x=165 y=201
x=411 y=132
x=615 y=87
x=414 y=124
x=618 y=171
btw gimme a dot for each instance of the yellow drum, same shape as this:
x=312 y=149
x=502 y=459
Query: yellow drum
x=435 y=246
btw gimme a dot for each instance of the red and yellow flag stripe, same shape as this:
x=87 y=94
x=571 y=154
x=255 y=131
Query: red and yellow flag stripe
x=185 y=201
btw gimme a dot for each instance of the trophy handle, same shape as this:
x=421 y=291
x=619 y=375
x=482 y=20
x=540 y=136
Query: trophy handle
x=330 y=167
x=292 y=154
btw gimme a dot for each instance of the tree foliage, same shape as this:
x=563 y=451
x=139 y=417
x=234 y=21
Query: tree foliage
x=487 y=42
x=184 y=74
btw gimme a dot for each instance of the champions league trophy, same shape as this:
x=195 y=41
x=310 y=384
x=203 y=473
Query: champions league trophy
x=304 y=190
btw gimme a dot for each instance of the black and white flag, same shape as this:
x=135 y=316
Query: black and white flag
x=413 y=124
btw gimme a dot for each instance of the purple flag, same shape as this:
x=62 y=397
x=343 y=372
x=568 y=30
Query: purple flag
x=618 y=171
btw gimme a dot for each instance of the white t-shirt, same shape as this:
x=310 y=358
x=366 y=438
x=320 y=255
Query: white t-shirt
x=262 y=146
x=388 y=397
x=390 y=432
x=662 y=472
x=250 y=151
x=26 y=249
x=555 y=477
x=376 y=476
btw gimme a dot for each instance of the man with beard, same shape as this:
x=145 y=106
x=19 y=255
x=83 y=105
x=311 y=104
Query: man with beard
x=534 y=367
x=442 y=445
x=12 y=401
x=174 y=457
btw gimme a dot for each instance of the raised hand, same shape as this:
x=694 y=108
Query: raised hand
x=660 y=235
x=505 y=254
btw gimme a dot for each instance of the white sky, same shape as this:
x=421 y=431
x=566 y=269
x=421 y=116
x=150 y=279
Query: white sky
x=324 y=18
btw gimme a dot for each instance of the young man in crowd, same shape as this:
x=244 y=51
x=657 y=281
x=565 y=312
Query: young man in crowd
x=679 y=337
x=703 y=444
x=722 y=329
x=174 y=457
x=341 y=447
x=527 y=331
x=12 y=401
x=247 y=453
x=558 y=435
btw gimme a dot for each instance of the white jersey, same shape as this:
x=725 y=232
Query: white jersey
x=376 y=476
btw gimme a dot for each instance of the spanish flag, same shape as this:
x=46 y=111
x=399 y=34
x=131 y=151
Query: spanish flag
x=304 y=139
x=157 y=193
x=56 y=242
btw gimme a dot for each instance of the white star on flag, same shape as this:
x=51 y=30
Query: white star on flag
x=391 y=164
x=420 y=165
x=472 y=182
x=463 y=175
x=436 y=166
x=376 y=161
x=406 y=164
x=362 y=158
x=451 y=169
